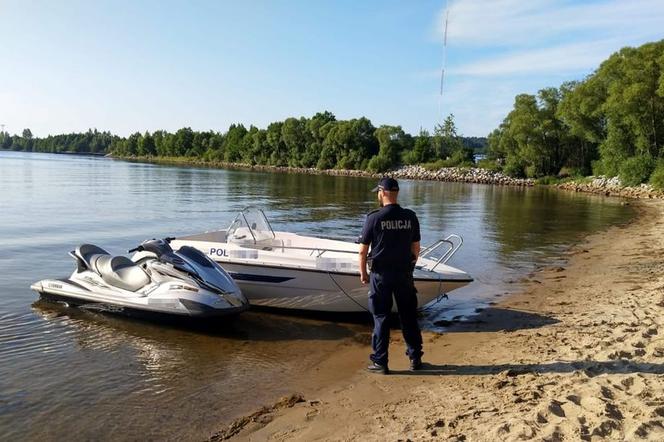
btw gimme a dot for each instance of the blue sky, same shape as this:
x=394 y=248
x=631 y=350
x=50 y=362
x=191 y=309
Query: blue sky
x=129 y=66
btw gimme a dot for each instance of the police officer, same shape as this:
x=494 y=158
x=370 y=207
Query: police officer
x=394 y=236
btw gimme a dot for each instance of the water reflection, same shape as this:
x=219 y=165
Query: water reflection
x=200 y=375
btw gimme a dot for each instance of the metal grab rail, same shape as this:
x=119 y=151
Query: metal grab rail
x=453 y=248
x=321 y=250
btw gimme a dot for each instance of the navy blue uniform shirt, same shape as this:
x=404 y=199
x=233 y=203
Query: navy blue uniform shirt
x=391 y=231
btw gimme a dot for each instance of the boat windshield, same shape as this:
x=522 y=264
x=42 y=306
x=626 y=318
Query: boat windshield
x=251 y=224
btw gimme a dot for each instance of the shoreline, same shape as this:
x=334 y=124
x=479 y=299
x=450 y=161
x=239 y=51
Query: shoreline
x=593 y=185
x=578 y=353
x=470 y=175
x=611 y=187
x=82 y=154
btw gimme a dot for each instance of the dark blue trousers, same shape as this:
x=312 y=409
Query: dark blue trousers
x=401 y=286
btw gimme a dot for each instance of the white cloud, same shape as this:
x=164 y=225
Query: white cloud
x=527 y=23
x=569 y=58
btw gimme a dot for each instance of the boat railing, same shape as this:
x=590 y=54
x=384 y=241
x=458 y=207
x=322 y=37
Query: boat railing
x=318 y=251
x=453 y=242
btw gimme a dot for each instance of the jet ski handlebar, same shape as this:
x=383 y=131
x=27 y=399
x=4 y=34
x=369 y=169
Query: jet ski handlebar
x=156 y=246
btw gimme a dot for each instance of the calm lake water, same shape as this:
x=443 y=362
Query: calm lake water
x=72 y=374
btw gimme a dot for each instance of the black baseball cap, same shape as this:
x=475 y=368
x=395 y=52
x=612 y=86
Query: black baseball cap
x=387 y=183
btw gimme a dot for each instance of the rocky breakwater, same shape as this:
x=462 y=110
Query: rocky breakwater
x=611 y=187
x=460 y=174
x=452 y=174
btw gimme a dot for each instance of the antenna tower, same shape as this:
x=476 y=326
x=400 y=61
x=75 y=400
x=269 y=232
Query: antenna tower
x=442 y=71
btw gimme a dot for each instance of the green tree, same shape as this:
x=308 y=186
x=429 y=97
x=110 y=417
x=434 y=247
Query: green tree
x=183 y=141
x=276 y=149
x=580 y=114
x=423 y=150
x=390 y=141
x=233 y=142
x=131 y=145
x=5 y=141
x=294 y=137
x=316 y=123
x=26 y=142
x=449 y=146
x=146 y=145
x=259 y=152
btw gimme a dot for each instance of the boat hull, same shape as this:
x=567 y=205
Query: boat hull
x=315 y=290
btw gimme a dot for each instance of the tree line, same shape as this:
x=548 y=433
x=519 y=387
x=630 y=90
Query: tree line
x=611 y=123
x=321 y=141
x=91 y=141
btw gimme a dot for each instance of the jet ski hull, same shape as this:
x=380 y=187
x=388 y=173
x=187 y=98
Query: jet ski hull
x=76 y=294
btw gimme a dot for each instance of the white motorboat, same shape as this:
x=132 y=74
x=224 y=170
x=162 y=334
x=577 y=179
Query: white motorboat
x=290 y=271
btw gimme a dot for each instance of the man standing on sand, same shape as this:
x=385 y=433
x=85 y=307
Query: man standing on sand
x=394 y=236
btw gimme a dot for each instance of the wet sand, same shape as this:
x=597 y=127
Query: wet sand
x=578 y=354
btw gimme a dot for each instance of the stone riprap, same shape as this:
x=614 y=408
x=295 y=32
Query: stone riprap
x=452 y=174
x=611 y=187
x=459 y=174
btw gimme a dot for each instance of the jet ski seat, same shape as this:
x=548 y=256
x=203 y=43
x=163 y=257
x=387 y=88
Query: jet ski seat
x=121 y=271
x=118 y=271
x=87 y=251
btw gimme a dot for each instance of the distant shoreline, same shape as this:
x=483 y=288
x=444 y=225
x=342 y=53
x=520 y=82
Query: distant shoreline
x=471 y=175
x=82 y=154
x=594 y=185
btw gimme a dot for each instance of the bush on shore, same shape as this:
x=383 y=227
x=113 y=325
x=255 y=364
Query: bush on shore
x=657 y=177
x=636 y=170
x=488 y=164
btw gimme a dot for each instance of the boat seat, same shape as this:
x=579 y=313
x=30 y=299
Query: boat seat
x=120 y=271
x=87 y=251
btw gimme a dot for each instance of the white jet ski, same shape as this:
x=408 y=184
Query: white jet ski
x=156 y=283
x=289 y=271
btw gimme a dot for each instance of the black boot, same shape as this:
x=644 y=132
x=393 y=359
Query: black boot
x=415 y=364
x=374 y=367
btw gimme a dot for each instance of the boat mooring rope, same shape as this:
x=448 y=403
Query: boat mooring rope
x=347 y=295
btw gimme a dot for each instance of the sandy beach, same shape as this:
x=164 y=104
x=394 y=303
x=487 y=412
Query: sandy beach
x=576 y=355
